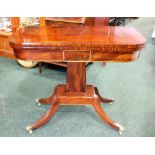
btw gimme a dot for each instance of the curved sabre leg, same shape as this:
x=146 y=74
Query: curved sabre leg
x=40 y=101
x=98 y=108
x=102 y=99
x=45 y=118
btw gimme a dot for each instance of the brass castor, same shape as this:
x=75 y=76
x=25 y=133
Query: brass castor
x=29 y=129
x=37 y=101
x=120 y=129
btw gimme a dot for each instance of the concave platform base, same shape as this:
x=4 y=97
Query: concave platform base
x=61 y=96
x=74 y=92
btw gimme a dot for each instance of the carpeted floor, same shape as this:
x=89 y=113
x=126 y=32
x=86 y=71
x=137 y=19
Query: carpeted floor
x=131 y=84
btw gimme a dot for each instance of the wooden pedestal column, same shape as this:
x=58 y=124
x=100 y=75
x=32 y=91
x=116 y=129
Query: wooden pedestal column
x=75 y=92
x=76 y=77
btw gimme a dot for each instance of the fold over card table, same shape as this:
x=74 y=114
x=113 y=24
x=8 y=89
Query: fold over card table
x=76 y=45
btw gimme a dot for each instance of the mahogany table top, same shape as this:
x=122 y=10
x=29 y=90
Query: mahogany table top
x=77 y=43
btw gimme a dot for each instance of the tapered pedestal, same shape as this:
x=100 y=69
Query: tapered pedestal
x=75 y=92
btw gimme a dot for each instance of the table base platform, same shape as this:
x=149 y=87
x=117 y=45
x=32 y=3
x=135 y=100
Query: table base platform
x=61 y=96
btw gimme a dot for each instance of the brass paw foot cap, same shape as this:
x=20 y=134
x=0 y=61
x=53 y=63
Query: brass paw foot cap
x=29 y=129
x=120 y=128
x=112 y=100
x=37 y=101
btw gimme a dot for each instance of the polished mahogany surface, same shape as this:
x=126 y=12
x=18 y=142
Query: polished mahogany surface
x=77 y=43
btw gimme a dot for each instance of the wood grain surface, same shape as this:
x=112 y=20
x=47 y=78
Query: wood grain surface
x=90 y=43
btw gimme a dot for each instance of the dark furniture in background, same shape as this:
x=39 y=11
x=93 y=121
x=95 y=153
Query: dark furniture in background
x=120 y=21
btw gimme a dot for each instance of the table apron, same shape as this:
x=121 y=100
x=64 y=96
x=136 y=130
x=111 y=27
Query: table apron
x=76 y=55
